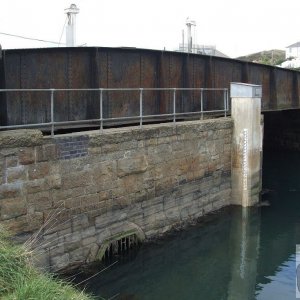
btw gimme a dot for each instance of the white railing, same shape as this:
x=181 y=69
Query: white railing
x=140 y=118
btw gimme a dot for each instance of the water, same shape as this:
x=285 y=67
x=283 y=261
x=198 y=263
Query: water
x=233 y=254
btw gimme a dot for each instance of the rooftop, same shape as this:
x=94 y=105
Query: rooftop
x=294 y=45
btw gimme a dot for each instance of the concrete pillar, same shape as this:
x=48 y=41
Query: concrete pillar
x=247 y=143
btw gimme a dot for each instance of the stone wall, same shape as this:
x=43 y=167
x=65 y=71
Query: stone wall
x=76 y=191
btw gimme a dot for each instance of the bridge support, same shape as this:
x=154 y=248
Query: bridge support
x=247 y=143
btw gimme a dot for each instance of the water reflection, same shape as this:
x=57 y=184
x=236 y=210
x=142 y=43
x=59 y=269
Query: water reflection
x=244 y=241
x=234 y=254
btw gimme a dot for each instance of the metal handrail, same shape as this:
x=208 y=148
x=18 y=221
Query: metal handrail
x=139 y=117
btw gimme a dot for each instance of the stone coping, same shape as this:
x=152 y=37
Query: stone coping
x=34 y=137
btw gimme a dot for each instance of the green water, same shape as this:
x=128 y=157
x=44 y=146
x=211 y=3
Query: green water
x=233 y=254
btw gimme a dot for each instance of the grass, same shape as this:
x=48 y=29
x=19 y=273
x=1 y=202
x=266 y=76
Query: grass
x=19 y=280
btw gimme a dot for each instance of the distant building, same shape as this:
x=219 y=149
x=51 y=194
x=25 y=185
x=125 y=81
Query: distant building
x=293 y=51
x=202 y=49
x=292 y=56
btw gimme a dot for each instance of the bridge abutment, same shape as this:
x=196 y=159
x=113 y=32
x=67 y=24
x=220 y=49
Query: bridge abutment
x=83 y=192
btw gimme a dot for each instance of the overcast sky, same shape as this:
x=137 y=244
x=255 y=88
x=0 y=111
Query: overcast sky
x=235 y=27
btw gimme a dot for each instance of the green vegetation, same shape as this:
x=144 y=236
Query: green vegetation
x=270 y=57
x=19 y=280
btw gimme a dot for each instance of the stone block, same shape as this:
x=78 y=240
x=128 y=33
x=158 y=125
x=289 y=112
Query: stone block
x=184 y=213
x=11 y=208
x=35 y=186
x=77 y=255
x=54 y=181
x=170 y=202
x=46 y=152
x=59 y=262
x=57 y=250
x=64 y=232
x=134 y=210
x=218 y=204
x=72 y=246
x=15 y=226
x=20 y=138
x=127 y=185
x=98 y=208
x=41 y=259
x=109 y=148
x=91 y=200
x=66 y=194
x=57 y=220
x=153 y=210
x=74 y=180
x=198 y=174
x=72 y=203
x=94 y=151
x=103 y=171
x=41 y=201
x=24 y=223
x=38 y=171
x=136 y=165
x=8 y=152
x=89 y=241
x=47 y=238
x=152 y=202
x=150 y=233
x=103 y=234
x=204 y=200
x=75 y=166
x=111 y=217
x=93 y=214
x=16 y=174
x=89 y=231
x=11 y=161
x=143 y=195
x=150 y=142
x=79 y=222
x=172 y=214
x=11 y=190
x=94 y=249
x=73 y=237
x=26 y=156
x=165 y=140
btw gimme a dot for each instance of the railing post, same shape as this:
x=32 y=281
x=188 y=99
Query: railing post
x=52 y=112
x=101 y=110
x=201 y=103
x=141 y=107
x=174 y=106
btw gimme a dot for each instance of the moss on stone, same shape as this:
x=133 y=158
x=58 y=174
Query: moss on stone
x=21 y=138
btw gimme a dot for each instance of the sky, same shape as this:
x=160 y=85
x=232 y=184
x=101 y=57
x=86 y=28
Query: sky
x=235 y=27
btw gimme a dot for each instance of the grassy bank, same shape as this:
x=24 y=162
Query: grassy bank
x=19 y=280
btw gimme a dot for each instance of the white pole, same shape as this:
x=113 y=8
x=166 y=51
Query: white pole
x=189 y=37
x=71 y=12
x=189 y=23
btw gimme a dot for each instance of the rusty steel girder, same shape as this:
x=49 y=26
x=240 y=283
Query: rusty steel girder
x=97 y=67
